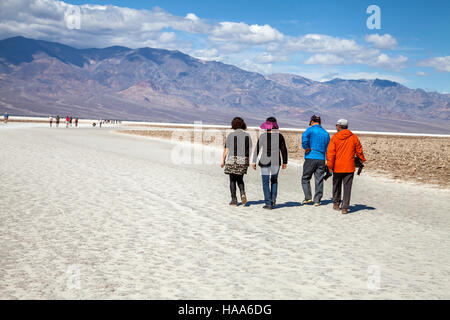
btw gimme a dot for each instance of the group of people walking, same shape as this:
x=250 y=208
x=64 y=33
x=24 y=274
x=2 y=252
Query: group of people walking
x=102 y=121
x=69 y=121
x=323 y=157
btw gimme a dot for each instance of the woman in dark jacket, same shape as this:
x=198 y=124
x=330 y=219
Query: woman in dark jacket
x=235 y=158
x=270 y=144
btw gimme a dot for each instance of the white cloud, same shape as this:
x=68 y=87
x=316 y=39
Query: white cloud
x=421 y=73
x=254 y=47
x=167 y=37
x=191 y=16
x=363 y=75
x=230 y=47
x=243 y=33
x=100 y=25
x=265 y=58
x=338 y=51
x=207 y=54
x=325 y=59
x=364 y=56
x=385 y=41
x=248 y=64
x=321 y=43
x=269 y=58
x=441 y=64
x=386 y=62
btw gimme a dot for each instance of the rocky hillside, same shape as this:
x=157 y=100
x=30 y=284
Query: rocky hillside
x=42 y=78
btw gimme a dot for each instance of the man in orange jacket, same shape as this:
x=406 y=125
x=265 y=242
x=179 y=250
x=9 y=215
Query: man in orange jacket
x=341 y=151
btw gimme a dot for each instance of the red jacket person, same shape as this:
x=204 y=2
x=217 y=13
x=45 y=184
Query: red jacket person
x=341 y=152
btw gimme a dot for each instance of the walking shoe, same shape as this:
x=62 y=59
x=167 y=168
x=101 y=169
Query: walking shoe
x=336 y=206
x=243 y=199
x=273 y=204
x=233 y=202
x=344 y=211
x=267 y=207
x=316 y=204
x=307 y=201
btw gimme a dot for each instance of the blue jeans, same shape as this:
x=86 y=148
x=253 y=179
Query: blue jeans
x=270 y=192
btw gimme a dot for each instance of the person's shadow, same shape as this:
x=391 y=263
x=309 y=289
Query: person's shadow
x=251 y=203
x=352 y=209
x=360 y=207
x=322 y=203
x=287 y=205
x=277 y=206
x=325 y=202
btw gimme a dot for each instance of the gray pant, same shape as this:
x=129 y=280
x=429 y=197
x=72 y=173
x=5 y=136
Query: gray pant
x=316 y=167
x=340 y=179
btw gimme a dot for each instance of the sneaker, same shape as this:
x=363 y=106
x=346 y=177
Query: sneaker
x=307 y=201
x=316 y=204
x=267 y=207
x=344 y=211
x=243 y=199
x=233 y=202
x=336 y=206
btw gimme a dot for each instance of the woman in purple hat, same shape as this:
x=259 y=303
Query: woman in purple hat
x=271 y=145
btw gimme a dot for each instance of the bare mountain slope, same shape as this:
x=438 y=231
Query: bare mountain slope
x=41 y=78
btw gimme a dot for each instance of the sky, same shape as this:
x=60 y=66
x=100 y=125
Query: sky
x=320 y=40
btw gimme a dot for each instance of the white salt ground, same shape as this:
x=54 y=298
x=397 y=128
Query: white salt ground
x=87 y=214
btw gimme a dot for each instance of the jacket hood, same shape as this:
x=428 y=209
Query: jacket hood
x=343 y=134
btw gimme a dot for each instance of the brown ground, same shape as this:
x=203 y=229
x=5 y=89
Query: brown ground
x=418 y=159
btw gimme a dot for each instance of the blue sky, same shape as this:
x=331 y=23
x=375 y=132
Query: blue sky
x=316 y=39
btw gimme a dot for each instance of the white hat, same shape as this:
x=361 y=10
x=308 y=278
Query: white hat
x=342 y=122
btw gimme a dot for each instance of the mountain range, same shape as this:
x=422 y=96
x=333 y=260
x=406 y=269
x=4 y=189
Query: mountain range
x=44 y=78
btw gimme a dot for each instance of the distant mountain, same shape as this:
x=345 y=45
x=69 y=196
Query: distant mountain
x=42 y=78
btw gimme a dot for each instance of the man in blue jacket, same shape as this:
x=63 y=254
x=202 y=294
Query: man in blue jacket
x=315 y=142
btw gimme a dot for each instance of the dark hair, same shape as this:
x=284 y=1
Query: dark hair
x=271 y=119
x=238 y=123
x=315 y=118
x=344 y=127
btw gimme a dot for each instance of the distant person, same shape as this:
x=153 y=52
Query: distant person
x=100 y=123
x=57 y=120
x=76 y=122
x=5 y=117
x=70 y=120
x=235 y=158
x=315 y=143
x=342 y=149
x=67 y=121
x=270 y=145
x=50 y=119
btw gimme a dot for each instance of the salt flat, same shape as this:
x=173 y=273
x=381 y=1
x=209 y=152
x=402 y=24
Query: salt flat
x=90 y=214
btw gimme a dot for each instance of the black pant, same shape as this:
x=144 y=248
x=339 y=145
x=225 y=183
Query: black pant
x=317 y=167
x=346 y=179
x=239 y=180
